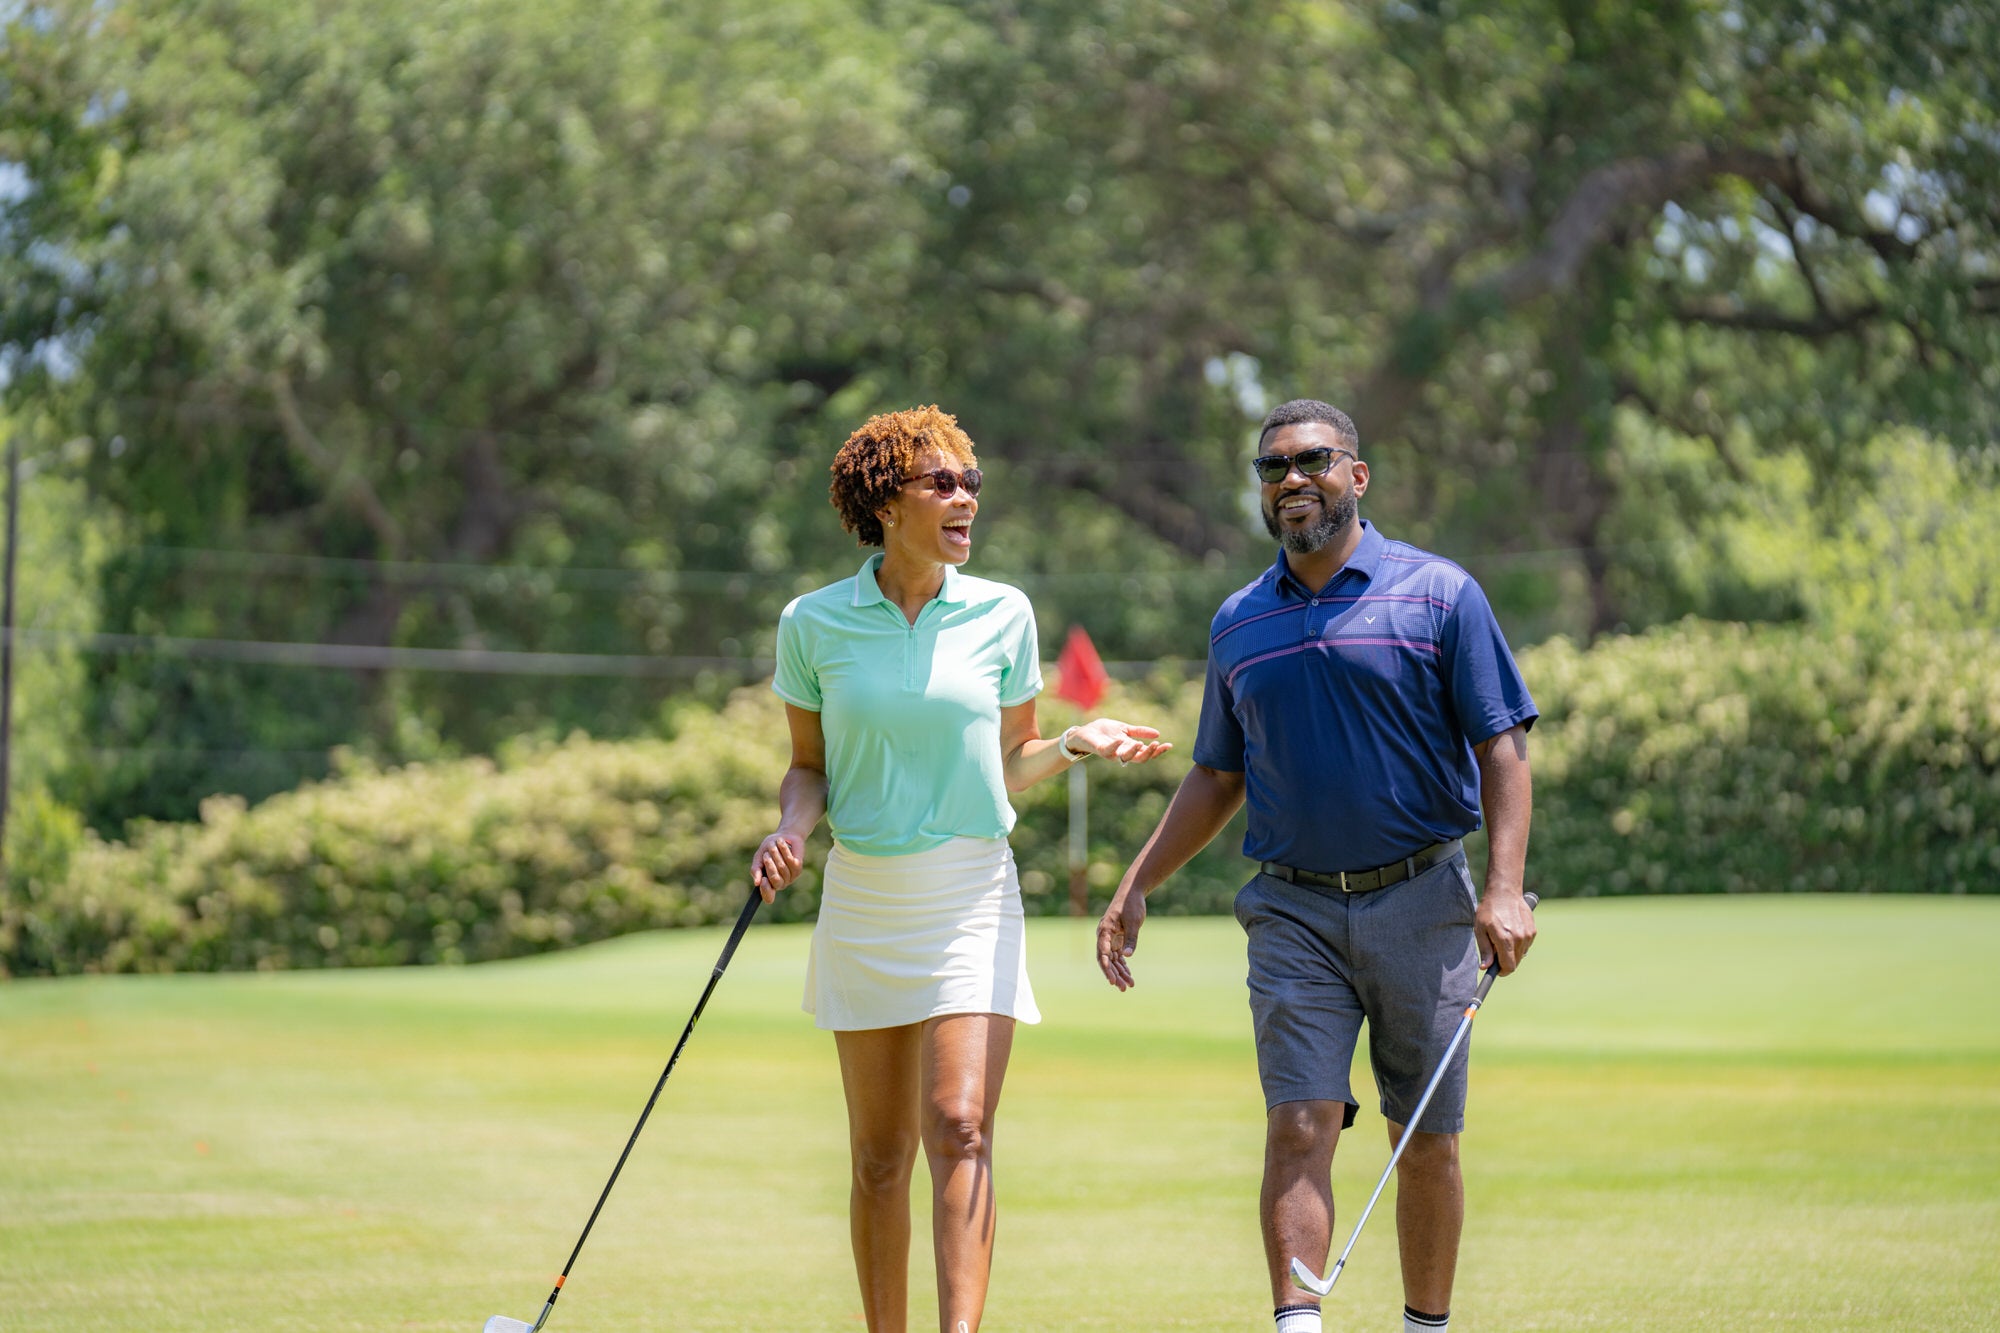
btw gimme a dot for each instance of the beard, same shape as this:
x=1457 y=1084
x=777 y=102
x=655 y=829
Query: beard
x=1334 y=520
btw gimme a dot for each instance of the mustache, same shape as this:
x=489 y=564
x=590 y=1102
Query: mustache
x=1335 y=519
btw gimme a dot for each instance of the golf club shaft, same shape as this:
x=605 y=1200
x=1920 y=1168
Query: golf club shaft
x=1410 y=1127
x=750 y=907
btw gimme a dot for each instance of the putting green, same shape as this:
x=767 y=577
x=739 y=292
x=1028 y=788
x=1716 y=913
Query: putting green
x=1776 y=1113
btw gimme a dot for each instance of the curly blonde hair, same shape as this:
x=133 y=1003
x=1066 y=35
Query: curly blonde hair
x=879 y=457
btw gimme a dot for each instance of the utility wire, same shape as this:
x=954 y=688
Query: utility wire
x=735 y=582
x=480 y=661
x=372 y=657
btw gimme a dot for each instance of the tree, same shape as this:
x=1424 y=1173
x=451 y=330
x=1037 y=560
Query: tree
x=1507 y=236
x=531 y=326
x=426 y=290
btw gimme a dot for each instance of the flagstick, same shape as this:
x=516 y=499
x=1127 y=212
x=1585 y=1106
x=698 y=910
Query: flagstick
x=1079 y=839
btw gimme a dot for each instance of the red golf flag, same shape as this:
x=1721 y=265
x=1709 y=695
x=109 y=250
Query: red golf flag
x=1081 y=676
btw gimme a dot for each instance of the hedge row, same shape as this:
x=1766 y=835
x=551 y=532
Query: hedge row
x=449 y=862
x=1709 y=758
x=1696 y=758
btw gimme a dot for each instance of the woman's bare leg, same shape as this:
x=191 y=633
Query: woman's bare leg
x=879 y=1074
x=964 y=1061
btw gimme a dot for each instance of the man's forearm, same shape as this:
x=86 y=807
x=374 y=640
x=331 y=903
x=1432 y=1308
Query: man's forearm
x=1506 y=796
x=1204 y=803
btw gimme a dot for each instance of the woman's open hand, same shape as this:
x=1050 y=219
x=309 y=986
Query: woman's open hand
x=1127 y=742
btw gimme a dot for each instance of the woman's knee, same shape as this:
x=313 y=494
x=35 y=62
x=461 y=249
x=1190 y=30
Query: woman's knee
x=959 y=1130
x=882 y=1163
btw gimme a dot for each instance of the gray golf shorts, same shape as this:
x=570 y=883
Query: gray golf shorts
x=1404 y=958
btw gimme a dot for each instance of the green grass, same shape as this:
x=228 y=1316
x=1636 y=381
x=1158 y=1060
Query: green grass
x=1688 y=1113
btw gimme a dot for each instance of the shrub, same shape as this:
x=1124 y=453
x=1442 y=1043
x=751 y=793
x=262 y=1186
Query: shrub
x=448 y=862
x=1695 y=758
x=1706 y=758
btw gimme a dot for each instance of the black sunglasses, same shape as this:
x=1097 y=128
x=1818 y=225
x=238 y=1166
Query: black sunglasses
x=946 y=482
x=1273 y=468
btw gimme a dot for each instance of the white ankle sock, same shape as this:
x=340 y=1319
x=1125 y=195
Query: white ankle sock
x=1417 y=1322
x=1297 y=1318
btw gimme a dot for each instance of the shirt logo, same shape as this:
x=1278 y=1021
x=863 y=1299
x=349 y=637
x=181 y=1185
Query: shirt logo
x=1369 y=619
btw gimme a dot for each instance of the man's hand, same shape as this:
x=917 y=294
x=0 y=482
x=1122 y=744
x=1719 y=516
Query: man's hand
x=1505 y=926
x=1118 y=935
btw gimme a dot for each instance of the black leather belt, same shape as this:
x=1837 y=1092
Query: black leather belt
x=1366 y=881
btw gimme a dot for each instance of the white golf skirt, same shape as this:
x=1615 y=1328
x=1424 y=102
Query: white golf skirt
x=904 y=938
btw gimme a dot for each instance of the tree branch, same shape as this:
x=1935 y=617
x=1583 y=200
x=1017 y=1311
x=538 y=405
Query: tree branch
x=1726 y=313
x=1045 y=289
x=1588 y=220
x=1174 y=520
x=1628 y=390
x=346 y=484
x=1791 y=221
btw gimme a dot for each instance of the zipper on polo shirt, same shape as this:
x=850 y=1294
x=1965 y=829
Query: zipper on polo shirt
x=911 y=685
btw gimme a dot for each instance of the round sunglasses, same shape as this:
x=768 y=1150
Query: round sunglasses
x=946 y=482
x=1316 y=461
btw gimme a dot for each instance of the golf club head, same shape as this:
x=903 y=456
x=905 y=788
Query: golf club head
x=1305 y=1281
x=500 y=1323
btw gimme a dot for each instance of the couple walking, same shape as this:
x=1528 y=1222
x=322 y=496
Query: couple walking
x=1360 y=699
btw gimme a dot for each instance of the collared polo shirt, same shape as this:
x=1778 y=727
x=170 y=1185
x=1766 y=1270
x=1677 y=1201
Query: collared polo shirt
x=911 y=713
x=1352 y=709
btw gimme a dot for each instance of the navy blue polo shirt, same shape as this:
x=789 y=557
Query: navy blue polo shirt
x=1353 y=709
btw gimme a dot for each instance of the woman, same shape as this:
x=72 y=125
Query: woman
x=910 y=692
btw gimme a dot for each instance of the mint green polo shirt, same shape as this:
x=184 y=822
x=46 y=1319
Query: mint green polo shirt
x=911 y=713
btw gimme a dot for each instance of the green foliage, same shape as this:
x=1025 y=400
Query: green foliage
x=1718 y=758
x=478 y=325
x=65 y=542
x=455 y=861
x=43 y=837
x=530 y=324
x=1897 y=537
x=1697 y=758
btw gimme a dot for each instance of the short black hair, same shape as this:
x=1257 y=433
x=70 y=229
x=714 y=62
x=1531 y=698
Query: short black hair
x=1299 y=411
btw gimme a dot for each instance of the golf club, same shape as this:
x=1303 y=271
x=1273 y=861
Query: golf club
x=1304 y=1277
x=500 y=1323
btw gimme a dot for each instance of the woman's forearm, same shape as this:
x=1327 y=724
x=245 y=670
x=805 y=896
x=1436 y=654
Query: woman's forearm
x=1032 y=761
x=801 y=801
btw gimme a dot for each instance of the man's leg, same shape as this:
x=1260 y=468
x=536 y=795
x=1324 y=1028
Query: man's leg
x=1307 y=1019
x=1430 y=1214
x=1296 y=1205
x=1420 y=968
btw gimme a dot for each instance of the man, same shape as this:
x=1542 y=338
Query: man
x=1361 y=697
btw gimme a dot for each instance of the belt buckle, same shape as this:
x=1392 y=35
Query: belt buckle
x=1343 y=882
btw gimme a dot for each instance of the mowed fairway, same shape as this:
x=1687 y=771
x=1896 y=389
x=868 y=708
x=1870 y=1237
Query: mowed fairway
x=1694 y=1113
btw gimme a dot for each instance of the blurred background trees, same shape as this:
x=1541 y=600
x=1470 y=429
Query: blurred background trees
x=517 y=327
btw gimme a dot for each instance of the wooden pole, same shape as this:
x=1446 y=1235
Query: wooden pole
x=7 y=641
x=1079 y=840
